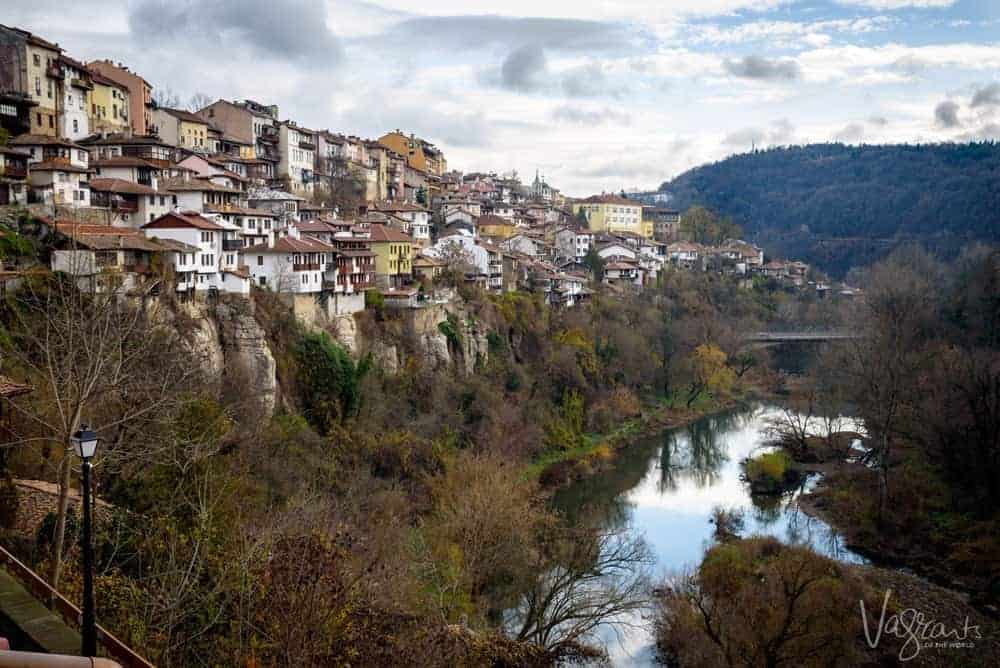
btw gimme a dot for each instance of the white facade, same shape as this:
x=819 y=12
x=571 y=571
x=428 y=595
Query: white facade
x=298 y=157
x=73 y=120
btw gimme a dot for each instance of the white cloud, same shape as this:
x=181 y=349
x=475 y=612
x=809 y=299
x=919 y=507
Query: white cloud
x=898 y=4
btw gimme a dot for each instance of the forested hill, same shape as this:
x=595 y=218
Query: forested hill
x=840 y=206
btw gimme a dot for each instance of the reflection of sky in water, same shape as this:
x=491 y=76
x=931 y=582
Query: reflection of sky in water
x=691 y=471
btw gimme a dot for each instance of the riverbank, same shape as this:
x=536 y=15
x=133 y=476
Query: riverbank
x=556 y=469
x=919 y=533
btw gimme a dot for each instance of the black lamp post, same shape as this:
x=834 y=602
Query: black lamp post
x=85 y=444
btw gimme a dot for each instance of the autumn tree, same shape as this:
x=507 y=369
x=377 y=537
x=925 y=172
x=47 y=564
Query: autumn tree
x=708 y=372
x=95 y=358
x=703 y=226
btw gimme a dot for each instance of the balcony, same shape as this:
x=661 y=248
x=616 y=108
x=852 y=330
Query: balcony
x=85 y=84
x=54 y=71
x=232 y=244
x=14 y=172
x=306 y=267
x=126 y=207
x=307 y=144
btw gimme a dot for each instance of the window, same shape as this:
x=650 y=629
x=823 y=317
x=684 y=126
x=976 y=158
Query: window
x=39 y=119
x=260 y=260
x=163 y=200
x=38 y=86
x=52 y=121
x=35 y=59
x=49 y=87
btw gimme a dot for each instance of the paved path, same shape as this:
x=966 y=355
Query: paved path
x=40 y=628
x=787 y=337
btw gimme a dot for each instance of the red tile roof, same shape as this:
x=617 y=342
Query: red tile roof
x=120 y=186
x=174 y=220
x=383 y=234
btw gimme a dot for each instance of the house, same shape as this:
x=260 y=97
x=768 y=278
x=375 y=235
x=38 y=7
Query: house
x=624 y=272
x=74 y=121
x=135 y=170
x=106 y=258
x=523 y=243
x=109 y=104
x=255 y=127
x=297 y=151
x=610 y=213
x=128 y=204
x=459 y=217
x=461 y=249
x=58 y=170
x=32 y=79
x=393 y=252
x=257 y=226
x=148 y=148
x=427 y=268
x=494 y=266
x=684 y=253
x=490 y=225
x=666 y=222
x=283 y=204
x=573 y=242
x=418 y=218
x=292 y=264
x=198 y=194
x=401 y=298
x=206 y=236
x=138 y=99
x=355 y=263
x=181 y=128
x=13 y=176
x=615 y=250
x=746 y=258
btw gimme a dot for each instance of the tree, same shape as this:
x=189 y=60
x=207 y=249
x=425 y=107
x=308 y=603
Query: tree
x=166 y=97
x=702 y=226
x=330 y=380
x=199 y=101
x=759 y=602
x=93 y=358
x=599 y=578
x=596 y=264
x=708 y=372
x=339 y=185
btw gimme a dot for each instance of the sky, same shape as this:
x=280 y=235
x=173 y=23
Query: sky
x=598 y=96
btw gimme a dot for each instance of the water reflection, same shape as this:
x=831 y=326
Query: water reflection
x=664 y=489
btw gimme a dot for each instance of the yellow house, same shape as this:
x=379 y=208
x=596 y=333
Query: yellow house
x=494 y=226
x=181 y=128
x=647 y=225
x=393 y=256
x=611 y=213
x=108 y=105
x=409 y=147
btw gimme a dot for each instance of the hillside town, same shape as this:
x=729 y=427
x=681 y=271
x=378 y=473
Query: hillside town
x=126 y=193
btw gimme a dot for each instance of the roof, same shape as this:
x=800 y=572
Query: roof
x=175 y=220
x=185 y=115
x=399 y=206
x=490 y=219
x=105 y=237
x=99 y=78
x=174 y=245
x=240 y=211
x=121 y=187
x=14 y=152
x=33 y=39
x=271 y=194
x=314 y=226
x=53 y=166
x=683 y=247
x=192 y=185
x=122 y=161
x=609 y=199
x=381 y=233
x=43 y=140
x=427 y=261
x=292 y=245
x=119 y=138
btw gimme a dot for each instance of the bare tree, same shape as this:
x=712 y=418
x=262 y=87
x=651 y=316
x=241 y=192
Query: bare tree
x=602 y=579
x=166 y=97
x=340 y=184
x=93 y=357
x=199 y=101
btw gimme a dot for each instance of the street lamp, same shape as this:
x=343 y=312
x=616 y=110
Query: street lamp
x=85 y=445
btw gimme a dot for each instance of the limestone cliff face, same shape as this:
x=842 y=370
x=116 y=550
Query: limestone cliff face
x=247 y=354
x=233 y=347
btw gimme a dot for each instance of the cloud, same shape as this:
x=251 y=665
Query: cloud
x=758 y=67
x=988 y=132
x=523 y=68
x=852 y=133
x=878 y=121
x=589 y=81
x=987 y=96
x=473 y=32
x=784 y=34
x=294 y=30
x=898 y=4
x=946 y=114
x=573 y=114
x=780 y=132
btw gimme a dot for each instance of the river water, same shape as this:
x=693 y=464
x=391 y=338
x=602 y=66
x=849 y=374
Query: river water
x=664 y=488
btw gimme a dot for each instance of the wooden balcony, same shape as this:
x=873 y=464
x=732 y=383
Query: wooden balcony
x=306 y=267
x=232 y=244
x=14 y=172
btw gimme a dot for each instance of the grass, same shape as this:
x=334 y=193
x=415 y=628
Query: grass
x=598 y=446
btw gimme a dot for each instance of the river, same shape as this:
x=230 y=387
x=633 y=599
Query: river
x=664 y=488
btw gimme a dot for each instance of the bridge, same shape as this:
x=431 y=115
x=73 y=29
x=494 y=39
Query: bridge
x=798 y=337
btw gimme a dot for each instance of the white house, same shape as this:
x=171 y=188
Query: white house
x=461 y=242
x=684 y=253
x=199 y=195
x=58 y=169
x=74 y=123
x=193 y=229
x=257 y=226
x=297 y=147
x=293 y=263
x=615 y=250
x=417 y=217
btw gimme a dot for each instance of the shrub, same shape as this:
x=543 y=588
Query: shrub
x=330 y=381
x=769 y=472
x=9 y=502
x=374 y=300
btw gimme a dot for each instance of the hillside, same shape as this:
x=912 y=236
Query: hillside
x=840 y=206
